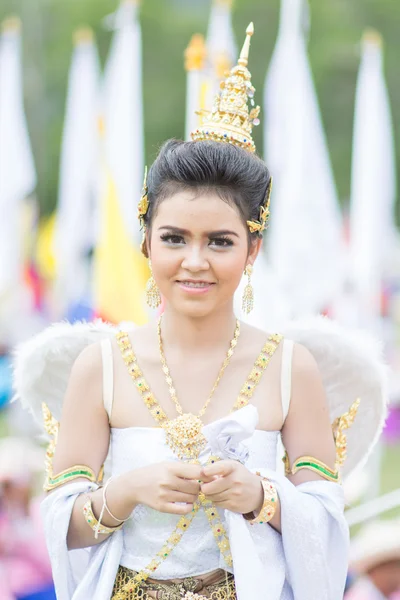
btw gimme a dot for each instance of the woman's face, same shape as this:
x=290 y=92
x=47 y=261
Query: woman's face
x=198 y=250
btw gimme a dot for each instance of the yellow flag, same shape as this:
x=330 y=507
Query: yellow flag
x=120 y=270
x=44 y=248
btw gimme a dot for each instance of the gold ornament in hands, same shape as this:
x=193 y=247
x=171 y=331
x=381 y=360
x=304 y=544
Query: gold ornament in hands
x=184 y=434
x=248 y=292
x=230 y=119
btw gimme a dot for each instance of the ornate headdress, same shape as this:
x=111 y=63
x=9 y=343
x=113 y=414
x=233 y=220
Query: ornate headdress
x=230 y=121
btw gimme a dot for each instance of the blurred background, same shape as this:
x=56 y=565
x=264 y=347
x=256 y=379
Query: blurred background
x=90 y=89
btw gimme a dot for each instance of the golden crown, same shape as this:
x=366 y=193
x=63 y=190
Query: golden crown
x=230 y=119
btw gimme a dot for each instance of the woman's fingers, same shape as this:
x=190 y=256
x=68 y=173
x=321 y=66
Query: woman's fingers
x=217 y=486
x=174 y=496
x=186 y=471
x=177 y=509
x=222 y=498
x=189 y=486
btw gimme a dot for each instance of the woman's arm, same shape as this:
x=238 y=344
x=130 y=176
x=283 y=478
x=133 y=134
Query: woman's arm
x=307 y=430
x=84 y=439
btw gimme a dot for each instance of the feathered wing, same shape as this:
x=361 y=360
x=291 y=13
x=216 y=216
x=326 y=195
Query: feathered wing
x=352 y=368
x=43 y=364
x=350 y=364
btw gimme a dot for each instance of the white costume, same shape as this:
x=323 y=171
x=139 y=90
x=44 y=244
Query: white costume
x=307 y=561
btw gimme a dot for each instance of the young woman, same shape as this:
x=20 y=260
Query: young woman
x=192 y=407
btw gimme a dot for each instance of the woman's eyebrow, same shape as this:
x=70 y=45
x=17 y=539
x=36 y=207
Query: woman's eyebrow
x=222 y=232
x=180 y=231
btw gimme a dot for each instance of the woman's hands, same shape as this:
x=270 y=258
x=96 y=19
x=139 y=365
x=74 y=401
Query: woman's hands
x=232 y=486
x=173 y=487
x=169 y=487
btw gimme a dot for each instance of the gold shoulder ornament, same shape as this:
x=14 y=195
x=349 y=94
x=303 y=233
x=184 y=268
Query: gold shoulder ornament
x=52 y=427
x=339 y=427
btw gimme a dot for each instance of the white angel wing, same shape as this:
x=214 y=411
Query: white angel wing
x=43 y=364
x=351 y=367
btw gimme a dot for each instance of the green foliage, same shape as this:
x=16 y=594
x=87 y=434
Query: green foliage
x=167 y=25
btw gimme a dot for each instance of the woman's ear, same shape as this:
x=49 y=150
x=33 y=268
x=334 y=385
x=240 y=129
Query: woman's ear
x=255 y=248
x=145 y=245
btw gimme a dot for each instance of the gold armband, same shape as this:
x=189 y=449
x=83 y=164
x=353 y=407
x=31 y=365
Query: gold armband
x=52 y=426
x=313 y=464
x=94 y=523
x=75 y=472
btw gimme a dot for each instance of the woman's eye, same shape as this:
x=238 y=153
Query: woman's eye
x=222 y=242
x=172 y=238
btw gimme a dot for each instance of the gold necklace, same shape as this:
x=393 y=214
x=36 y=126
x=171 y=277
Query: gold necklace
x=184 y=434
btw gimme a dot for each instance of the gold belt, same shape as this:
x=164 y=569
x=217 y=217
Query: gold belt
x=186 y=589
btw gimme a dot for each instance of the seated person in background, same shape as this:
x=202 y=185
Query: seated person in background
x=25 y=572
x=375 y=558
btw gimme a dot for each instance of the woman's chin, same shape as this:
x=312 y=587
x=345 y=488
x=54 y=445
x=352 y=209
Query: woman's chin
x=193 y=307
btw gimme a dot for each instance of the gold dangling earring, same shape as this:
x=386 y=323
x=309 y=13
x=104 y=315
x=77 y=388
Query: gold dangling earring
x=153 y=296
x=248 y=293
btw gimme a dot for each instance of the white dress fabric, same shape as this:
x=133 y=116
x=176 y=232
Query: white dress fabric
x=307 y=561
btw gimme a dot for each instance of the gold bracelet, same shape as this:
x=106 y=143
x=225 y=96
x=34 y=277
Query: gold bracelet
x=268 y=508
x=75 y=472
x=94 y=523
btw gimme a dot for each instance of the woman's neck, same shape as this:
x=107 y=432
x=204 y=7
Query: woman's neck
x=198 y=333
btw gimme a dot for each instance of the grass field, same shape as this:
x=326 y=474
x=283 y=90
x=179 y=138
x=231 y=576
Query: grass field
x=391 y=474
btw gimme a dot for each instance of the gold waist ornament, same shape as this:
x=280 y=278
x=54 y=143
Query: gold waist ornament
x=190 y=588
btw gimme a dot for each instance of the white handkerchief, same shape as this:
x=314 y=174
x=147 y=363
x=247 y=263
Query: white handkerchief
x=230 y=437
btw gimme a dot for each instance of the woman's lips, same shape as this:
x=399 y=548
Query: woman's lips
x=195 y=287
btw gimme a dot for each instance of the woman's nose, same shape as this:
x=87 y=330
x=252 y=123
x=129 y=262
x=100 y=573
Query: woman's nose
x=195 y=259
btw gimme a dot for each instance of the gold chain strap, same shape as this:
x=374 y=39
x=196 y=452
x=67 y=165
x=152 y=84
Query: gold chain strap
x=167 y=373
x=148 y=398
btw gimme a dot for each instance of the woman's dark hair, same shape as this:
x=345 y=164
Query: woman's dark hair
x=236 y=175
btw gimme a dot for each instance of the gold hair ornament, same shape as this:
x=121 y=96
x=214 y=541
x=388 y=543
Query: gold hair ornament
x=260 y=225
x=230 y=120
x=143 y=205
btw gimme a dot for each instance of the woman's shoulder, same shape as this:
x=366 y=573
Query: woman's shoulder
x=302 y=360
x=88 y=363
x=141 y=338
